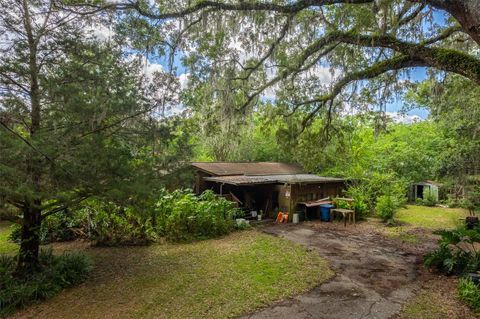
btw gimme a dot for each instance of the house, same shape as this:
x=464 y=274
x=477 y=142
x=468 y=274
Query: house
x=266 y=186
x=419 y=190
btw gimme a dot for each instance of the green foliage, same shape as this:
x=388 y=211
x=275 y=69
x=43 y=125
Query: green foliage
x=386 y=207
x=368 y=189
x=361 y=209
x=456 y=253
x=57 y=273
x=182 y=216
x=469 y=292
x=428 y=199
x=472 y=199
x=110 y=224
x=453 y=104
x=64 y=226
x=341 y=203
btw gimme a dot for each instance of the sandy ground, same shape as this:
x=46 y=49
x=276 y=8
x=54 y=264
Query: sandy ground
x=376 y=275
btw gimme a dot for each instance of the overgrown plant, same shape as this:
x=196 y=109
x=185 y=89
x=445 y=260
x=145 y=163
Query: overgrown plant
x=55 y=273
x=469 y=292
x=182 y=216
x=428 y=199
x=67 y=226
x=456 y=253
x=110 y=224
x=386 y=208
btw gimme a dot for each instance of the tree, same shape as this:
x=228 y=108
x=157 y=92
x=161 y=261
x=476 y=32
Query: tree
x=75 y=118
x=248 y=47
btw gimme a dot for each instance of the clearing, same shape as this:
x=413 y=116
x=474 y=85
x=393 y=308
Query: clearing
x=379 y=273
x=209 y=279
x=431 y=217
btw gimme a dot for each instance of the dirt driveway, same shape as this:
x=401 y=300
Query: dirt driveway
x=374 y=277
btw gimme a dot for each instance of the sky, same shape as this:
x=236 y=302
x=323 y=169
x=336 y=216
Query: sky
x=416 y=75
x=393 y=108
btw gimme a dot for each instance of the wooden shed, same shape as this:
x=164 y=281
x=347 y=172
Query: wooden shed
x=266 y=186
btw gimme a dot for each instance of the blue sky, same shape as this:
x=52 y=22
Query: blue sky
x=415 y=75
x=419 y=74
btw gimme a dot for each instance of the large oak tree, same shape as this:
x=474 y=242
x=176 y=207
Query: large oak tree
x=246 y=49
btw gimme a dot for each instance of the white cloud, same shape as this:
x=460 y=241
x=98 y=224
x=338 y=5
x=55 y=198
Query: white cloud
x=404 y=118
x=101 y=32
x=151 y=69
x=184 y=79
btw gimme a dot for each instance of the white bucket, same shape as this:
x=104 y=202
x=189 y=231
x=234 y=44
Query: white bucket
x=296 y=218
x=259 y=217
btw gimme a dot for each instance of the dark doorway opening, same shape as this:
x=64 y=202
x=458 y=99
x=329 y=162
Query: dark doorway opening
x=420 y=191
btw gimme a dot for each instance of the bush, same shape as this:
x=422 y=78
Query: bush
x=361 y=209
x=428 y=199
x=366 y=191
x=178 y=216
x=57 y=272
x=469 y=292
x=456 y=253
x=182 y=216
x=386 y=208
x=63 y=226
x=113 y=225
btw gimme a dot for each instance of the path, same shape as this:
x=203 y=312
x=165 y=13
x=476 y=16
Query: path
x=374 y=278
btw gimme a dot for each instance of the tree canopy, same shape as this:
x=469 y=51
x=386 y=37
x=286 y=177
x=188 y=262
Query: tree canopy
x=310 y=55
x=75 y=118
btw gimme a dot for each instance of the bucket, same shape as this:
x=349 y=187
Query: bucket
x=301 y=215
x=325 y=212
x=296 y=218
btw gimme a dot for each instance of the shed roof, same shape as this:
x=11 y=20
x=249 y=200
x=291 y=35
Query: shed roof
x=273 y=179
x=429 y=182
x=247 y=168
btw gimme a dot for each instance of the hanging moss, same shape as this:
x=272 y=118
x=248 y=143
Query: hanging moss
x=454 y=60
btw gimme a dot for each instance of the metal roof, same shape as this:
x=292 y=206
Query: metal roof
x=247 y=168
x=273 y=179
x=429 y=182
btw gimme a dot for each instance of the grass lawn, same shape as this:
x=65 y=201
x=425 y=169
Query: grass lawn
x=6 y=247
x=437 y=300
x=431 y=217
x=218 y=278
x=414 y=222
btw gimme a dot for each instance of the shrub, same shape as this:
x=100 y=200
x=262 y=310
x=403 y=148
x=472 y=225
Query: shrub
x=386 y=208
x=113 y=225
x=182 y=216
x=361 y=209
x=456 y=253
x=369 y=189
x=57 y=272
x=341 y=203
x=428 y=198
x=63 y=226
x=469 y=292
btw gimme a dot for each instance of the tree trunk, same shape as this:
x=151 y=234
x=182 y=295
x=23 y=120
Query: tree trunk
x=32 y=218
x=30 y=239
x=467 y=13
